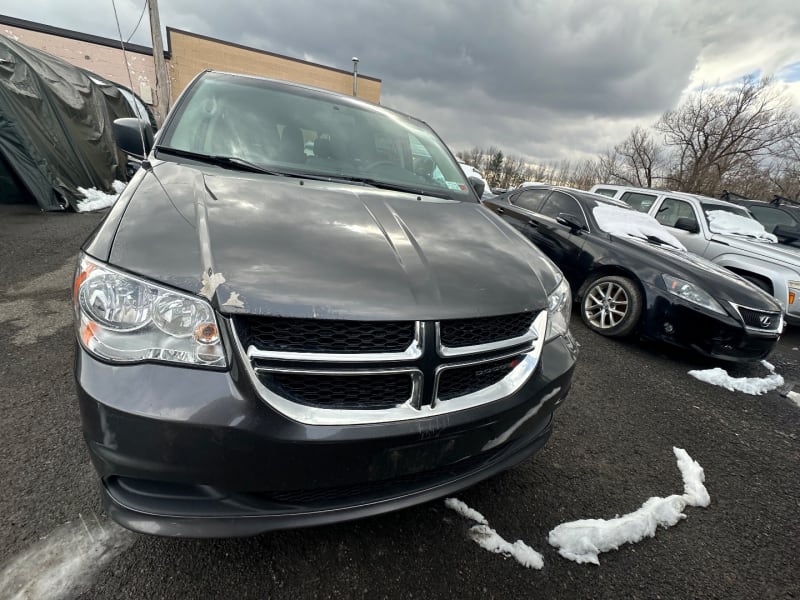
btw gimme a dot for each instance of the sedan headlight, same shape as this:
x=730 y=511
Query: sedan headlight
x=122 y=318
x=691 y=293
x=559 y=309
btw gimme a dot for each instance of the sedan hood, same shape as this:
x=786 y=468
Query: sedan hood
x=262 y=244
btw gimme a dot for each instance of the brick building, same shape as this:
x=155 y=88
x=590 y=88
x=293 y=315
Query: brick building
x=187 y=54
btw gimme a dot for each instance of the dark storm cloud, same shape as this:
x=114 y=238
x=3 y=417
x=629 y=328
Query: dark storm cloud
x=544 y=78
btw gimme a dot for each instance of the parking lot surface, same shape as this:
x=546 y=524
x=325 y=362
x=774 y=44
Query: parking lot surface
x=611 y=450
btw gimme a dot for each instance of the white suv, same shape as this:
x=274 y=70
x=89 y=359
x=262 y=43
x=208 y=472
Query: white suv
x=730 y=237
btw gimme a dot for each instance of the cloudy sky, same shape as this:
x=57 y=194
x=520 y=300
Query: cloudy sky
x=546 y=79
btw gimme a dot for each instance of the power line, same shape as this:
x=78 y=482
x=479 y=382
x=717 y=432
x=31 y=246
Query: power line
x=139 y=22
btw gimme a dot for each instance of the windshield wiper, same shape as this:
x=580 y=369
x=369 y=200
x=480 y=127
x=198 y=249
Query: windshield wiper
x=397 y=187
x=233 y=162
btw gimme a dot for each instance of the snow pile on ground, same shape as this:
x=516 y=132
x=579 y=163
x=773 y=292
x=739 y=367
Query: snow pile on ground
x=749 y=385
x=488 y=539
x=97 y=200
x=583 y=540
x=794 y=397
x=722 y=221
x=625 y=222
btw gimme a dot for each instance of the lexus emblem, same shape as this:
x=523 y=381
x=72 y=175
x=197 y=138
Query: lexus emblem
x=765 y=320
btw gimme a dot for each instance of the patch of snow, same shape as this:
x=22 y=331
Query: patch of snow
x=722 y=221
x=749 y=385
x=794 y=397
x=625 y=222
x=210 y=284
x=488 y=539
x=583 y=540
x=97 y=200
x=465 y=511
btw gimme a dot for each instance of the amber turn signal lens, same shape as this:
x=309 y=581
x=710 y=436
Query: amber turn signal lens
x=791 y=297
x=206 y=333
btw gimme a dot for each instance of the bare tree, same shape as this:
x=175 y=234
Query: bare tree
x=714 y=133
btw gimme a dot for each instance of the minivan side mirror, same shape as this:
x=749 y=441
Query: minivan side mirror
x=574 y=223
x=687 y=224
x=477 y=185
x=131 y=134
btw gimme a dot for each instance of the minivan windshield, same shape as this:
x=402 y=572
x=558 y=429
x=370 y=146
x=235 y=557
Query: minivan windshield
x=297 y=131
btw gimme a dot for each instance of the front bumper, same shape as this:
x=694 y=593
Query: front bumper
x=190 y=452
x=716 y=336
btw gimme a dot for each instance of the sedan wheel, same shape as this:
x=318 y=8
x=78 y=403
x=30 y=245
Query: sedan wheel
x=611 y=306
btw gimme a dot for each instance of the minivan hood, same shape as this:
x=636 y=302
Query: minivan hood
x=303 y=248
x=776 y=252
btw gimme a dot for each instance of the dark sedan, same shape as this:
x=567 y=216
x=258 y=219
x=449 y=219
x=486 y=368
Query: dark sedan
x=285 y=320
x=633 y=277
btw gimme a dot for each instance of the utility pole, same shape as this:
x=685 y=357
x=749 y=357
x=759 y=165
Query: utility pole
x=162 y=81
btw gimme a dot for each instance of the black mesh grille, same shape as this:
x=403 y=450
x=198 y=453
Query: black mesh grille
x=322 y=335
x=465 y=380
x=341 y=391
x=753 y=318
x=471 y=332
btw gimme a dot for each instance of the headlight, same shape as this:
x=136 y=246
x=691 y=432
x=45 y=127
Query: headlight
x=691 y=293
x=122 y=318
x=559 y=309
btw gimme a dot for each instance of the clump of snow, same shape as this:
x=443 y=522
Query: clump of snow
x=234 y=301
x=583 y=540
x=465 y=511
x=488 y=539
x=97 y=200
x=748 y=385
x=625 y=222
x=794 y=397
x=722 y=221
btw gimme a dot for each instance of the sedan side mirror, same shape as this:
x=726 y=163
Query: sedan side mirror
x=687 y=224
x=134 y=137
x=477 y=185
x=574 y=223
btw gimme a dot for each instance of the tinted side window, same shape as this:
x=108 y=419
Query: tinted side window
x=638 y=201
x=559 y=202
x=770 y=217
x=606 y=192
x=671 y=210
x=530 y=199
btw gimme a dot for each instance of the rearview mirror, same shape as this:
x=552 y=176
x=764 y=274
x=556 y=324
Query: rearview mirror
x=134 y=137
x=687 y=224
x=477 y=185
x=574 y=223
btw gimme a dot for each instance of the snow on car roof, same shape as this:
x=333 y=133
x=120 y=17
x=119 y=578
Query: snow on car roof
x=630 y=223
x=722 y=221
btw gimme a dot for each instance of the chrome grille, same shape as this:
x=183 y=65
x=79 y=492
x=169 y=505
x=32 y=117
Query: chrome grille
x=391 y=371
x=457 y=333
x=761 y=320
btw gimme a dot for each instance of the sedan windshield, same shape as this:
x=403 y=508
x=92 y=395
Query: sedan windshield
x=297 y=131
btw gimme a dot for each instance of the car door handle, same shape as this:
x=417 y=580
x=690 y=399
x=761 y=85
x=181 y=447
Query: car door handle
x=499 y=211
x=533 y=223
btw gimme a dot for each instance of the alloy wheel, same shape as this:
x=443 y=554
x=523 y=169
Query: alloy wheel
x=606 y=305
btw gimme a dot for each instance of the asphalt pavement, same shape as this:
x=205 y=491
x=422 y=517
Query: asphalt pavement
x=611 y=450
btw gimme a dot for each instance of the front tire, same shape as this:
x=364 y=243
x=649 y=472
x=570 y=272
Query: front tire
x=611 y=306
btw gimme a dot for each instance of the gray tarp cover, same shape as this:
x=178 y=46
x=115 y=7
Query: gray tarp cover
x=55 y=126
